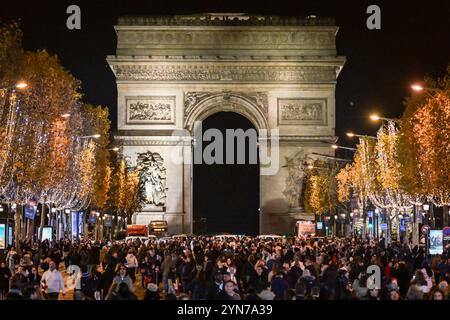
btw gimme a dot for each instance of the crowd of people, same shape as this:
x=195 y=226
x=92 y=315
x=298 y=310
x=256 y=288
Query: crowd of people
x=206 y=268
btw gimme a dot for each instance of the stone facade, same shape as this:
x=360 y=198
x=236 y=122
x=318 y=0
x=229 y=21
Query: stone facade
x=279 y=72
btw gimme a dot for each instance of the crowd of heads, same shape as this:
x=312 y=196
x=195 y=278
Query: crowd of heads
x=247 y=268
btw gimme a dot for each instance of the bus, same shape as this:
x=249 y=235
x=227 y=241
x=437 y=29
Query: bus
x=158 y=227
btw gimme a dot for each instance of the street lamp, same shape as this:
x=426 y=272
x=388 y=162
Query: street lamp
x=115 y=149
x=335 y=146
x=95 y=136
x=65 y=115
x=21 y=85
x=417 y=87
x=376 y=117
x=351 y=135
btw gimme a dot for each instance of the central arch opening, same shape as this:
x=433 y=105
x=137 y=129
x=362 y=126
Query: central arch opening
x=226 y=196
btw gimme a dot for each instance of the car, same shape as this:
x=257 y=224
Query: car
x=164 y=239
x=143 y=239
x=179 y=237
x=158 y=227
x=270 y=237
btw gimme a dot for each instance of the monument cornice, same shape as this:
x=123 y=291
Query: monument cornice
x=187 y=140
x=233 y=72
x=225 y=19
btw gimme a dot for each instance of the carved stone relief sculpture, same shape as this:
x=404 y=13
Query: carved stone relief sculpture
x=302 y=111
x=192 y=98
x=293 y=190
x=150 y=109
x=153 y=178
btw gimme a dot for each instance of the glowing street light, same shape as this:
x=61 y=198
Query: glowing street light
x=65 y=115
x=417 y=87
x=95 y=136
x=115 y=149
x=351 y=135
x=376 y=117
x=21 y=85
x=335 y=146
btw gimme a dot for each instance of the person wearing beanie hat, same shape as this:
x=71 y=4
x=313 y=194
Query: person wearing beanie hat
x=266 y=295
x=152 y=292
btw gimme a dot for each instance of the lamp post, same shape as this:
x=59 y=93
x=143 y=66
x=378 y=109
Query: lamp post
x=352 y=134
x=335 y=146
x=375 y=117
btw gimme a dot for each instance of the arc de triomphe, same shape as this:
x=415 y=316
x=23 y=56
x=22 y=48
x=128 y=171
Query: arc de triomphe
x=279 y=72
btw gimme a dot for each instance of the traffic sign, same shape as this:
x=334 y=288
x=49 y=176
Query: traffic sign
x=384 y=226
x=446 y=233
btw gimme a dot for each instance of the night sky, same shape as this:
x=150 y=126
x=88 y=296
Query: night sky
x=413 y=43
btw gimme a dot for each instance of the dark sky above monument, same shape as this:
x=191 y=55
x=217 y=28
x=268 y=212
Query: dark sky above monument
x=412 y=43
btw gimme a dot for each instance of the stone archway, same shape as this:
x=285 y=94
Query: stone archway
x=278 y=72
x=201 y=104
x=218 y=201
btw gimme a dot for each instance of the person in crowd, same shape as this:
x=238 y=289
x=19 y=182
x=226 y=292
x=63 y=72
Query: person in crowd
x=34 y=278
x=20 y=278
x=188 y=271
x=15 y=293
x=52 y=282
x=259 y=279
x=199 y=286
x=5 y=276
x=90 y=284
x=152 y=292
x=12 y=259
x=32 y=293
x=228 y=292
x=121 y=291
x=123 y=277
x=132 y=264
x=168 y=263
x=280 y=286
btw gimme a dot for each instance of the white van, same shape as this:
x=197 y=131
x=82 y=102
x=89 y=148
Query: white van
x=270 y=237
